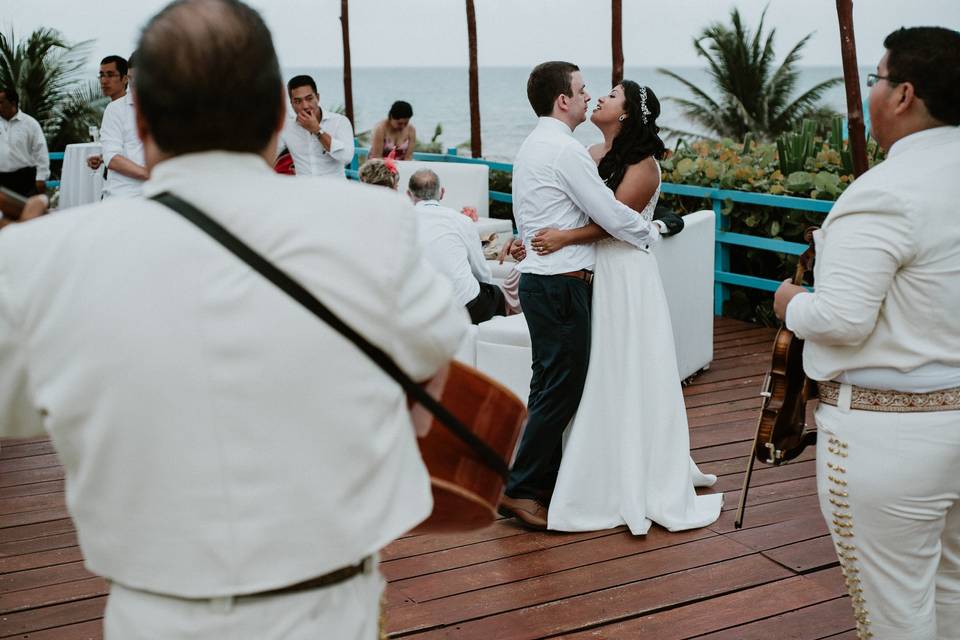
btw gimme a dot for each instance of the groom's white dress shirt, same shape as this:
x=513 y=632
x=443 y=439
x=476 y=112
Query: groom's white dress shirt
x=218 y=439
x=556 y=185
x=886 y=310
x=451 y=244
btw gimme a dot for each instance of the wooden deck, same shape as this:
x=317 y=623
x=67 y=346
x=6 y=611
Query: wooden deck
x=776 y=578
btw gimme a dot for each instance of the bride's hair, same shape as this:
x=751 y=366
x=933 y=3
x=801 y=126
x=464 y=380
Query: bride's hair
x=638 y=137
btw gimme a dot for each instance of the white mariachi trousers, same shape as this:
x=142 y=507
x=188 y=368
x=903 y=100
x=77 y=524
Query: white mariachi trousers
x=349 y=611
x=889 y=487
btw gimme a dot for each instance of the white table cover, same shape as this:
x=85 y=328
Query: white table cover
x=79 y=184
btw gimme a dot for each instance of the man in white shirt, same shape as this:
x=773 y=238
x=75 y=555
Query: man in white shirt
x=320 y=142
x=113 y=85
x=452 y=245
x=556 y=184
x=882 y=332
x=24 y=161
x=122 y=147
x=233 y=464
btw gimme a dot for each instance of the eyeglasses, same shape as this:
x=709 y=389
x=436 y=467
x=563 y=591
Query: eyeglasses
x=873 y=79
x=108 y=74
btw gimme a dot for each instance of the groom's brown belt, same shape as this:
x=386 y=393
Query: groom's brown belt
x=583 y=274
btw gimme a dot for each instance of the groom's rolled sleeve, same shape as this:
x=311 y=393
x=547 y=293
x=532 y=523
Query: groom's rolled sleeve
x=578 y=173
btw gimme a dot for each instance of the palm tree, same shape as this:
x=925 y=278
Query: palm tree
x=48 y=72
x=476 y=150
x=754 y=96
x=347 y=69
x=616 y=28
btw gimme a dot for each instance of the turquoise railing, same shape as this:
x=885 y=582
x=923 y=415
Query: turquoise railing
x=56 y=155
x=723 y=277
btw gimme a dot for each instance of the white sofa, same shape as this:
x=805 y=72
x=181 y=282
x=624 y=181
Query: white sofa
x=502 y=345
x=465 y=185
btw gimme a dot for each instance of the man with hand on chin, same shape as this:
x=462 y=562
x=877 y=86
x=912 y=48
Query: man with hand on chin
x=320 y=142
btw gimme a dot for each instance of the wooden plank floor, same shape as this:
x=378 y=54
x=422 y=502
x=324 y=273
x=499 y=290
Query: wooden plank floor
x=775 y=578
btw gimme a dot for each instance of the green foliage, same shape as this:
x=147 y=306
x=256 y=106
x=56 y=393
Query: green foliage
x=817 y=169
x=434 y=146
x=754 y=95
x=501 y=181
x=47 y=72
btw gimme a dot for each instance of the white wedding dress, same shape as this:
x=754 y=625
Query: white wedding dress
x=626 y=457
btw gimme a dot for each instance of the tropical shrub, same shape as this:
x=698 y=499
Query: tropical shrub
x=818 y=168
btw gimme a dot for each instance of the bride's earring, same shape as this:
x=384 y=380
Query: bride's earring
x=622 y=117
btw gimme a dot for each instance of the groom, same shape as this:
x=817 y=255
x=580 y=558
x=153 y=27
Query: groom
x=556 y=185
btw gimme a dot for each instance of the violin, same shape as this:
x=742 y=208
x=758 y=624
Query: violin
x=782 y=432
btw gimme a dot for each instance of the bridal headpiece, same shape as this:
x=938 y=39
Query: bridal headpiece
x=644 y=111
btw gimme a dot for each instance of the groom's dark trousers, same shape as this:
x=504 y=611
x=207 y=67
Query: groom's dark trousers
x=557 y=309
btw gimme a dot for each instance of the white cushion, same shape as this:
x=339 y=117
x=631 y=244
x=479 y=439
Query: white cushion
x=685 y=263
x=466 y=185
x=486 y=226
x=511 y=330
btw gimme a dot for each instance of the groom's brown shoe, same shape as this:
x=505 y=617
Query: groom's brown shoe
x=529 y=512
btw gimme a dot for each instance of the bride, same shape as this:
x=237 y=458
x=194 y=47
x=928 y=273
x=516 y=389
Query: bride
x=626 y=459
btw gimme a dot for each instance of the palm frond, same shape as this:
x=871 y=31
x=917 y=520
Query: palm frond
x=805 y=103
x=707 y=118
x=784 y=79
x=694 y=89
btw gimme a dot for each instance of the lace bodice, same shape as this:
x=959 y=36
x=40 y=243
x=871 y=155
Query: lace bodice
x=647 y=213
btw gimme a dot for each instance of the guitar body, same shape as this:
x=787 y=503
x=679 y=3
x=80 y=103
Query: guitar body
x=465 y=491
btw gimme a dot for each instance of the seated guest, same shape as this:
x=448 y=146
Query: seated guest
x=24 y=161
x=122 y=147
x=452 y=246
x=382 y=173
x=395 y=137
x=321 y=142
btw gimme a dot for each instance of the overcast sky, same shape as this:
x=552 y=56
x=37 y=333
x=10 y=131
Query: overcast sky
x=510 y=32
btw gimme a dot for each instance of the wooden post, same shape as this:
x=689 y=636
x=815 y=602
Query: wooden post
x=617 y=35
x=475 y=148
x=851 y=78
x=347 y=76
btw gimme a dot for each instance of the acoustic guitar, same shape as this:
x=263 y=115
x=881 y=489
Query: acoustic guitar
x=466 y=490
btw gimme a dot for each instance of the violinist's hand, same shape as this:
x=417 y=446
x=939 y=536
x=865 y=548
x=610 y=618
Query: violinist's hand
x=781 y=299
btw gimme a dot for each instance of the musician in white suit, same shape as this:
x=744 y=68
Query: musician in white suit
x=882 y=333
x=233 y=465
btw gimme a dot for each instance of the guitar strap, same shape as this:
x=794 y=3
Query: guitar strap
x=300 y=294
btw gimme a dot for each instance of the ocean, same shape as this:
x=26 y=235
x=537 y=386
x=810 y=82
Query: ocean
x=440 y=95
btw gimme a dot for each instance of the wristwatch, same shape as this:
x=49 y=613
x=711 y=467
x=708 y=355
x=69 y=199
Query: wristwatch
x=319 y=132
